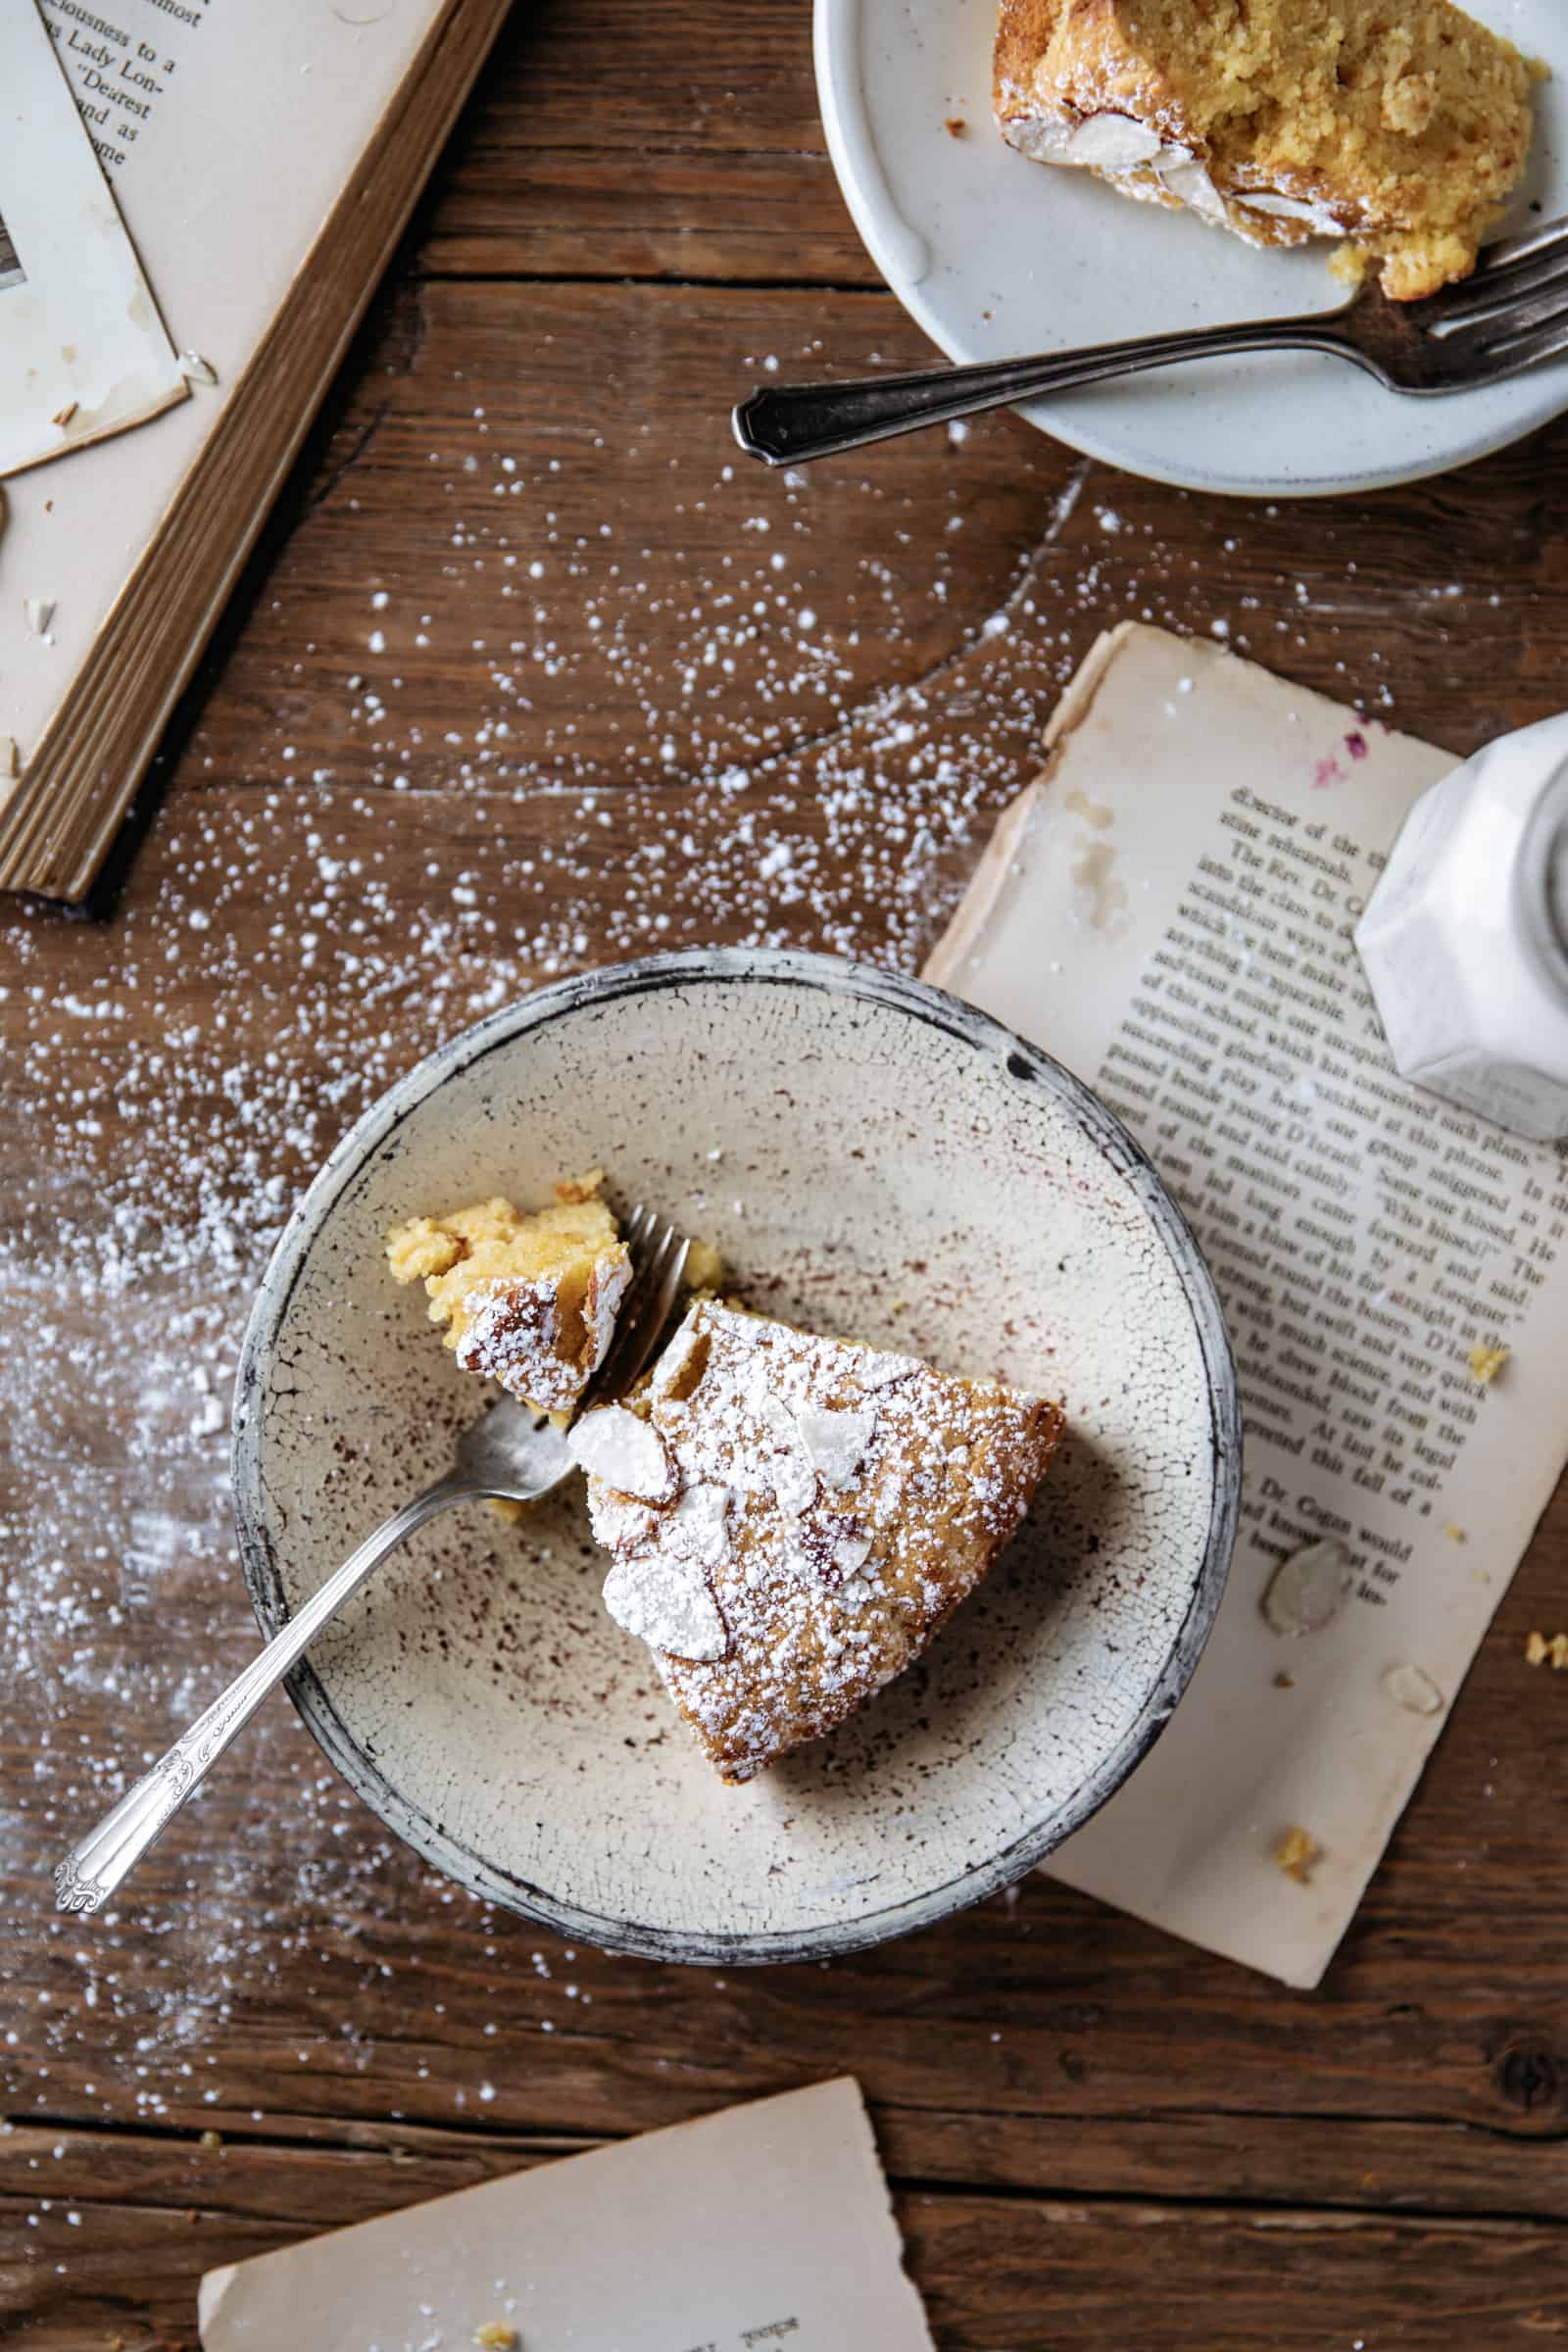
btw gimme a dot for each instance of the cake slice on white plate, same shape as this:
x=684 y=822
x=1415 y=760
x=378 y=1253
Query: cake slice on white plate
x=1401 y=127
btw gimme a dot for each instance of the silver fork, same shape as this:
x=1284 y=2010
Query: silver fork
x=510 y=1452
x=1510 y=314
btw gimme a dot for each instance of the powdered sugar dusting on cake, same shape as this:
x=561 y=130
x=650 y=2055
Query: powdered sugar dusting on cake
x=606 y=1289
x=665 y=1602
x=830 y=1533
x=838 y=1443
x=624 y=1452
x=512 y=1337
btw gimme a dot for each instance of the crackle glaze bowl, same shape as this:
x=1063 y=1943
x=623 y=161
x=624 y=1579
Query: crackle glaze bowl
x=875 y=1159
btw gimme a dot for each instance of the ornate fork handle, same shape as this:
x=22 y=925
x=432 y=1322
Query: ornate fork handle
x=93 y=1869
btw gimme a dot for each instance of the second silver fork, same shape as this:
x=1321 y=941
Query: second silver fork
x=1510 y=315
x=510 y=1453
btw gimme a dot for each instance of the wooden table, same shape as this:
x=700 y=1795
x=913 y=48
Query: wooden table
x=530 y=677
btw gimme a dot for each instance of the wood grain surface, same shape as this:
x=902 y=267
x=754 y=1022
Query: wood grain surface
x=533 y=674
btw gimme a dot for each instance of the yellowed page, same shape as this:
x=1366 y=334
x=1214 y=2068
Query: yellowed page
x=82 y=350
x=1171 y=916
x=225 y=148
x=759 y=2230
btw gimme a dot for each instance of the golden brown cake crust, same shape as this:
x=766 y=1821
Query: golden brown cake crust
x=1401 y=124
x=823 y=1508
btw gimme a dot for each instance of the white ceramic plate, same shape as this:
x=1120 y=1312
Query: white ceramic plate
x=889 y=1165
x=995 y=256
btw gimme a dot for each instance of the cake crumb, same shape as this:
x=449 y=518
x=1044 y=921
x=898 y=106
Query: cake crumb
x=572 y=1191
x=63 y=416
x=705 y=1269
x=1486 y=1364
x=956 y=127
x=1537 y=1649
x=497 y=2337
x=1455 y=1532
x=1298 y=1854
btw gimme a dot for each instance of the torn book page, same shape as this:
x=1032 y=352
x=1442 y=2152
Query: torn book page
x=1169 y=912
x=620 y=2248
x=83 y=352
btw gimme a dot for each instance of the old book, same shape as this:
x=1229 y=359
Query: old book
x=264 y=162
x=1169 y=912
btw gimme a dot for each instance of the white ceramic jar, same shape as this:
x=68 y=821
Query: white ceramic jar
x=1466 y=938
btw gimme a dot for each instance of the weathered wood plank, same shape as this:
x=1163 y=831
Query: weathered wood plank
x=609 y=145
x=691 y=611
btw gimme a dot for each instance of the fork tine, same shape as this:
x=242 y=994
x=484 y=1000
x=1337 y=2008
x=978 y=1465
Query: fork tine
x=1493 y=338
x=1509 y=252
x=639 y=1225
x=1494 y=365
x=646 y=1338
x=646 y=1308
x=1477 y=301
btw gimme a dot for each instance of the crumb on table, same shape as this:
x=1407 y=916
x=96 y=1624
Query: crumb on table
x=1542 y=1651
x=497 y=2337
x=956 y=127
x=1486 y=1364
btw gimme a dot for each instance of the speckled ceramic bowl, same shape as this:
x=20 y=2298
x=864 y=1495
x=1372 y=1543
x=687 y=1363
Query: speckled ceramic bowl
x=873 y=1158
